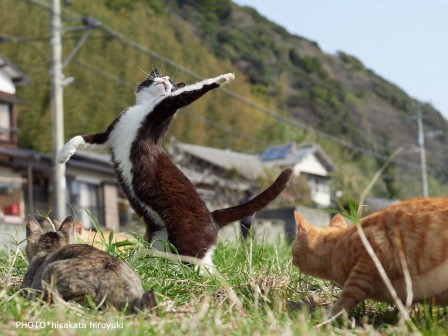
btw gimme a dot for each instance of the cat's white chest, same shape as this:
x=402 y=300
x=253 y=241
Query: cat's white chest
x=121 y=139
x=124 y=134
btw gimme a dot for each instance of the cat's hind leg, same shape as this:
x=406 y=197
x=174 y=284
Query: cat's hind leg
x=207 y=267
x=159 y=240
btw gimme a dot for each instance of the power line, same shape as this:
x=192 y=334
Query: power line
x=279 y=117
x=185 y=110
x=105 y=74
x=267 y=111
x=123 y=39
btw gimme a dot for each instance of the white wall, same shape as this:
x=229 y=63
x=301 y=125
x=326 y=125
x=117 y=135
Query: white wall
x=311 y=165
x=317 y=179
x=6 y=84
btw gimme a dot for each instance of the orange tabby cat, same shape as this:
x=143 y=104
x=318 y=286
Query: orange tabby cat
x=336 y=252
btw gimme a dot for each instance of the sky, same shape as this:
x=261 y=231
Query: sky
x=403 y=41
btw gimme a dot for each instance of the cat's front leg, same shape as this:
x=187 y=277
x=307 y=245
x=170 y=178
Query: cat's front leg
x=66 y=152
x=223 y=79
x=79 y=141
x=188 y=94
x=357 y=286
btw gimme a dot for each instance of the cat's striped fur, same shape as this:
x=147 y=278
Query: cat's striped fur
x=77 y=272
x=336 y=252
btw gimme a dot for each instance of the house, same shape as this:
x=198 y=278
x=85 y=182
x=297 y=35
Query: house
x=239 y=171
x=220 y=176
x=10 y=182
x=308 y=160
x=10 y=78
x=25 y=175
x=26 y=189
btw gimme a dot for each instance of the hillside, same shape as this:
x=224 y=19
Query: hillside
x=287 y=89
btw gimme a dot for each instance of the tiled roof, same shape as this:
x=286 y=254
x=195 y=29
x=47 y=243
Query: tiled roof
x=251 y=165
x=290 y=154
x=248 y=165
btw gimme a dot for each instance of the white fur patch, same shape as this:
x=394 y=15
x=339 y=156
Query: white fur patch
x=160 y=241
x=207 y=262
x=67 y=151
x=161 y=87
x=223 y=79
x=124 y=134
x=121 y=139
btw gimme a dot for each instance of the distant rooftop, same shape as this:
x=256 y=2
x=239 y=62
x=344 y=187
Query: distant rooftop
x=253 y=165
x=248 y=165
x=10 y=76
x=291 y=153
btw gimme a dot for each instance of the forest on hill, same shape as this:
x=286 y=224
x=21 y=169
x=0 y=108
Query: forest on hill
x=286 y=88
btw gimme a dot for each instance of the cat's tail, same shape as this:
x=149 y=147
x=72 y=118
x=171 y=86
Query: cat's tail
x=145 y=303
x=225 y=216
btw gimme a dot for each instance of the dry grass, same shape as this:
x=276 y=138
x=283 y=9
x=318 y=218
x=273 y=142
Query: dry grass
x=275 y=299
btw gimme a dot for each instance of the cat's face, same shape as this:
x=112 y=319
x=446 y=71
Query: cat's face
x=155 y=86
x=40 y=241
x=309 y=244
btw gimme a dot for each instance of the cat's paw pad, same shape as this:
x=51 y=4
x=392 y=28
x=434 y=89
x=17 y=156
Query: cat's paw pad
x=226 y=78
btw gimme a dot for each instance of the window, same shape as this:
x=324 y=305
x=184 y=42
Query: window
x=5 y=122
x=85 y=200
x=318 y=185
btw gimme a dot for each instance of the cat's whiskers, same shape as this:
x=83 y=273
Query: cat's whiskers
x=147 y=74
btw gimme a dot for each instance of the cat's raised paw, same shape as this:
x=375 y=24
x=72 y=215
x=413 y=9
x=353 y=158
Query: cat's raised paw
x=66 y=152
x=226 y=78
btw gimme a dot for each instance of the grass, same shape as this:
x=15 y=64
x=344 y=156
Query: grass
x=257 y=292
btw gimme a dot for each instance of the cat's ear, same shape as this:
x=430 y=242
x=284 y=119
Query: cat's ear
x=79 y=228
x=338 y=222
x=155 y=74
x=177 y=86
x=33 y=228
x=68 y=227
x=302 y=225
x=33 y=232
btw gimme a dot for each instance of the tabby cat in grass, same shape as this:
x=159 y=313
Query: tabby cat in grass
x=336 y=252
x=157 y=190
x=76 y=271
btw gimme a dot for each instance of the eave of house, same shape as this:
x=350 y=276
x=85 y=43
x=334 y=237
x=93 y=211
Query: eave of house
x=42 y=162
x=301 y=158
x=247 y=165
x=10 y=76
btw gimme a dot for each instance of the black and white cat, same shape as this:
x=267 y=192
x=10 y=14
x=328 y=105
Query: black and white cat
x=157 y=190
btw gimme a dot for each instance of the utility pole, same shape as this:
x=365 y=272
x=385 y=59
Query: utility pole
x=421 y=145
x=57 y=111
